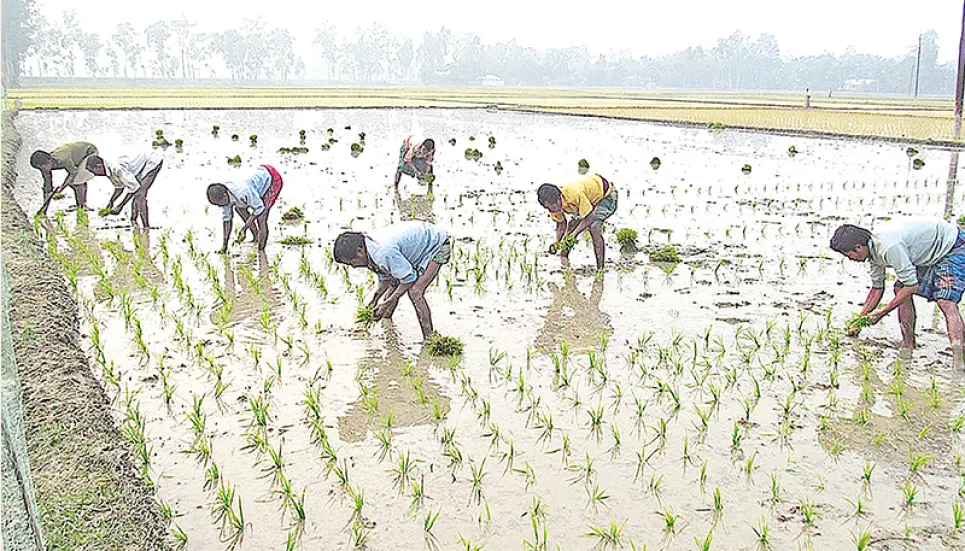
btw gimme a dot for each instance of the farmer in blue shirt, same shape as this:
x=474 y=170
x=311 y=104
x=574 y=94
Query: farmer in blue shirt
x=406 y=257
x=252 y=198
x=928 y=257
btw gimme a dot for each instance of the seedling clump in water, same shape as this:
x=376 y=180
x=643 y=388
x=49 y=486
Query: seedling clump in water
x=473 y=154
x=236 y=160
x=911 y=152
x=234 y=137
x=214 y=130
x=295 y=240
x=583 y=166
x=452 y=141
x=655 y=163
x=365 y=316
x=917 y=164
x=627 y=238
x=440 y=345
x=792 y=151
x=357 y=149
x=746 y=169
x=499 y=167
x=666 y=254
x=564 y=246
x=293 y=214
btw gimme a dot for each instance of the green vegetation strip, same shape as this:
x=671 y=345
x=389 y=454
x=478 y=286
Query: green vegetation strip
x=88 y=493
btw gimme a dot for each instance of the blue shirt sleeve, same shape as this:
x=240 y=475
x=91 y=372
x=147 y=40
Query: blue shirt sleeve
x=898 y=257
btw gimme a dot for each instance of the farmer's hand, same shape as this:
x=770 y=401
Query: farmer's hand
x=383 y=310
x=853 y=331
x=554 y=247
x=875 y=317
x=223 y=250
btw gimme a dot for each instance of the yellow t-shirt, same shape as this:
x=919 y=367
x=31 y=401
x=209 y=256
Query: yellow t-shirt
x=580 y=196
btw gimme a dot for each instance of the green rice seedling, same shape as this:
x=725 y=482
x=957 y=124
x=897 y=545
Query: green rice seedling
x=404 y=471
x=670 y=520
x=856 y=323
x=477 y=474
x=704 y=544
x=917 y=461
x=736 y=437
x=212 y=477
x=223 y=507
x=858 y=505
x=862 y=541
x=180 y=537
x=607 y=537
x=763 y=534
x=428 y=523
x=809 y=512
x=275 y=466
x=596 y=420
x=358 y=502
x=596 y=497
x=910 y=493
x=958 y=515
x=359 y=535
x=775 y=489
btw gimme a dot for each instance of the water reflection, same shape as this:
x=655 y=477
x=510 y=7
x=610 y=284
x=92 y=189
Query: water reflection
x=402 y=388
x=248 y=289
x=952 y=183
x=416 y=207
x=573 y=317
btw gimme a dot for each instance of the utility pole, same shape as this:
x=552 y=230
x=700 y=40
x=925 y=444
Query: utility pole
x=918 y=66
x=960 y=81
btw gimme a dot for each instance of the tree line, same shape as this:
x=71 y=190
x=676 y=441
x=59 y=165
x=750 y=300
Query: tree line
x=35 y=46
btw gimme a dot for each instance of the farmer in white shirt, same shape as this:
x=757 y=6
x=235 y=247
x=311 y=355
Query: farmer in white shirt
x=406 y=256
x=132 y=174
x=928 y=257
x=252 y=198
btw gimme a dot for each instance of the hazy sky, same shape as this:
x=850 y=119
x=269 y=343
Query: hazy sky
x=887 y=28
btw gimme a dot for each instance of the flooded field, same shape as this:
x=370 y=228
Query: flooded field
x=709 y=404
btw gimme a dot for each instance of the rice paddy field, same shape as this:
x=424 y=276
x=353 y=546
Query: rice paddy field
x=709 y=401
x=847 y=114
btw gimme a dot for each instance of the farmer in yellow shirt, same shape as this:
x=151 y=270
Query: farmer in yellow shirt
x=589 y=200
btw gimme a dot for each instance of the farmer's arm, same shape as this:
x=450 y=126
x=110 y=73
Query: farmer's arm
x=586 y=210
x=384 y=286
x=400 y=269
x=872 y=300
x=227 y=214
x=903 y=294
x=254 y=201
x=899 y=258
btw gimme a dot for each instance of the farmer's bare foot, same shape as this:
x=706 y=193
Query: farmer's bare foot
x=905 y=353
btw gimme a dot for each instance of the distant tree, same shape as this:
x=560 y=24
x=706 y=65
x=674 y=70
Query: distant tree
x=90 y=45
x=404 y=55
x=329 y=50
x=126 y=39
x=186 y=40
x=70 y=41
x=157 y=35
x=19 y=27
x=281 y=50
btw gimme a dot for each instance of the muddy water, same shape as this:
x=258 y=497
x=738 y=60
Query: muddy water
x=739 y=325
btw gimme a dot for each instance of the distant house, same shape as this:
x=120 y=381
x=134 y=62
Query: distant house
x=858 y=85
x=491 y=80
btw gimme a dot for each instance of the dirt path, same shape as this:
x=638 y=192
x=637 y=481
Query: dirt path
x=87 y=491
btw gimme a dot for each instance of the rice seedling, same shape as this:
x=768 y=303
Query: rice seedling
x=428 y=523
x=670 y=520
x=910 y=492
x=917 y=461
x=704 y=544
x=607 y=537
x=809 y=512
x=958 y=515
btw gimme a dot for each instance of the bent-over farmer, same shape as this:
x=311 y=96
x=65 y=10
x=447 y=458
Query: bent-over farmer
x=928 y=257
x=415 y=158
x=252 y=198
x=71 y=157
x=406 y=256
x=589 y=200
x=132 y=174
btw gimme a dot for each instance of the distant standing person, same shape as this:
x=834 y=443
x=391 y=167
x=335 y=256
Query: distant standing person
x=928 y=257
x=415 y=158
x=71 y=157
x=252 y=198
x=807 y=98
x=589 y=200
x=406 y=257
x=132 y=174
